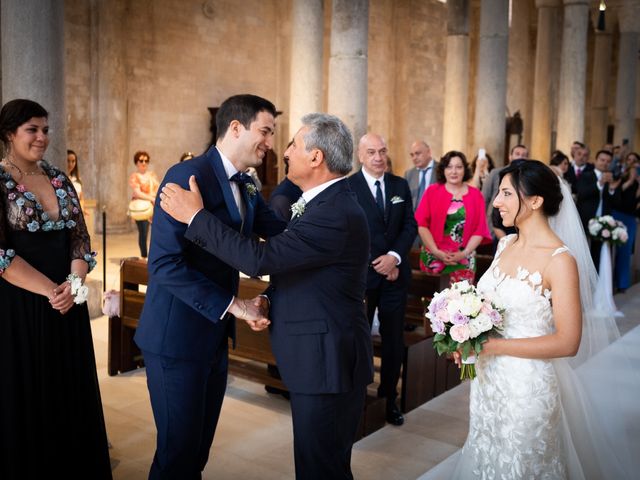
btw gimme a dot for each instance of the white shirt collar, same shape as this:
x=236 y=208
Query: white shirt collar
x=429 y=165
x=315 y=191
x=229 y=168
x=371 y=180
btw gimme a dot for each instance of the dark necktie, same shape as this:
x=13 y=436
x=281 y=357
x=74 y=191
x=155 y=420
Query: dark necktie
x=379 y=199
x=242 y=179
x=423 y=182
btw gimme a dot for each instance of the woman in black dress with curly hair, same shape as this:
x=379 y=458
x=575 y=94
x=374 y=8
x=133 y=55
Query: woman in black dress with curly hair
x=50 y=409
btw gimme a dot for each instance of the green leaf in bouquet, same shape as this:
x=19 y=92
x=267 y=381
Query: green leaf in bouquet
x=466 y=349
x=439 y=336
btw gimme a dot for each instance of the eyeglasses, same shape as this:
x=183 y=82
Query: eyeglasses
x=144 y=160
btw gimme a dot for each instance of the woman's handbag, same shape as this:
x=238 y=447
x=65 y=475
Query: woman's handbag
x=140 y=209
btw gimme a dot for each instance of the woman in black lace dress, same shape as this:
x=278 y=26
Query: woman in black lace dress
x=51 y=417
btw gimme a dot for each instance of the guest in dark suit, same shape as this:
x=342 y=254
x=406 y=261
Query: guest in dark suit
x=386 y=201
x=579 y=164
x=190 y=304
x=318 y=266
x=595 y=192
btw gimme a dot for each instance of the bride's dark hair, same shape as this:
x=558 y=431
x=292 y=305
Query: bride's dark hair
x=532 y=177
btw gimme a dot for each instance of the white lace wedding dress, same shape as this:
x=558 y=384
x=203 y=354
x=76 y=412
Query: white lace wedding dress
x=527 y=417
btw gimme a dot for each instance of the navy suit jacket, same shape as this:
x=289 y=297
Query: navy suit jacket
x=395 y=230
x=189 y=289
x=319 y=332
x=588 y=197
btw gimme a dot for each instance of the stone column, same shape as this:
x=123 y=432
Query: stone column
x=110 y=114
x=306 y=61
x=33 y=63
x=348 y=65
x=601 y=78
x=456 y=90
x=543 y=86
x=491 y=82
x=629 y=18
x=573 y=71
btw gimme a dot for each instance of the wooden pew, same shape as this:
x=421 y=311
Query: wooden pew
x=248 y=360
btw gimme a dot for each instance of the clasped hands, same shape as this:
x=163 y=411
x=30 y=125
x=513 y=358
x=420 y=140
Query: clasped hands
x=387 y=266
x=61 y=298
x=450 y=258
x=254 y=311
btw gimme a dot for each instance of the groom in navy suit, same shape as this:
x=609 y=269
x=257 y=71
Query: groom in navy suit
x=318 y=266
x=190 y=304
x=386 y=200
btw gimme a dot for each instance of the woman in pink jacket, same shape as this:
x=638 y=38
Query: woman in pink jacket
x=452 y=221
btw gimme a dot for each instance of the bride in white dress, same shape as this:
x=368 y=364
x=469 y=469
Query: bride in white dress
x=530 y=413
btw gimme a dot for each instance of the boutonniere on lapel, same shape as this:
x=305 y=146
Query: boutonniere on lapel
x=297 y=209
x=396 y=199
x=251 y=189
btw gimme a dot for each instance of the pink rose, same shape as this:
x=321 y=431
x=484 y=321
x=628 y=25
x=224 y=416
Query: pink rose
x=460 y=333
x=605 y=233
x=443 y=316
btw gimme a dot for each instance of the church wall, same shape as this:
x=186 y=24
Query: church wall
x=178 y=62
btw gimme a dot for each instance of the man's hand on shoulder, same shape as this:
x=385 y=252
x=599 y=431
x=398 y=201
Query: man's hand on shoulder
x=179 y=203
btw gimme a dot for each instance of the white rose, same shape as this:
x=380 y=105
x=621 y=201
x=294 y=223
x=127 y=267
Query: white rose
x=454 y=306
x=462 y=286
x=594 y=228
x=471 y=305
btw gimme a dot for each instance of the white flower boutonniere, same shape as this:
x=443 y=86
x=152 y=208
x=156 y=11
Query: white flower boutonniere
x=297 y=209
x=396 y=199
x=251 y=189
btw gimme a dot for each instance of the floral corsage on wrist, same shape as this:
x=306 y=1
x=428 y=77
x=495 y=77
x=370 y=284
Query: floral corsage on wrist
x=79 y=292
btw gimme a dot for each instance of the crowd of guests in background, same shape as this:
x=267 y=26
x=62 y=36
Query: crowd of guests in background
x=450 y=224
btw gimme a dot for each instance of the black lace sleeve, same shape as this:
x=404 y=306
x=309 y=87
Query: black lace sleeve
x=80 y=242
x=6 y=252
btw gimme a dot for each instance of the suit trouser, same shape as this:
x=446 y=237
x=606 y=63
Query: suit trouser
x=186 y=397
x=324 y=429
x=622 y=270
x=391 y=302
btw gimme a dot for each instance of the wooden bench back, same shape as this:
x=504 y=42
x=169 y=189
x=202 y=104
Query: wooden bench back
x=133 y=275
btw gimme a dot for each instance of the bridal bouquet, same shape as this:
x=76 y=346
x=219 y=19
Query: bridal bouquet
x=462 y=319
x=607 y=229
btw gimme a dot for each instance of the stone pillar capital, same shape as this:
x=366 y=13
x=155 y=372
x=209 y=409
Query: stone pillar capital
x=570 y=3
x=548 y=3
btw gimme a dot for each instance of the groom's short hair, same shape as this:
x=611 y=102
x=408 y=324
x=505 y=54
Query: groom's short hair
x=243 y=108
x=331 y=136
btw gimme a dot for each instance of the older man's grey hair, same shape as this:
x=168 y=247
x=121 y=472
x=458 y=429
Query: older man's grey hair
x=331 y=136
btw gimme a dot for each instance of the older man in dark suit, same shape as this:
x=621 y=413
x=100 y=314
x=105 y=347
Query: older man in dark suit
x=386 y=200
x=190 y=304
x=318 y=266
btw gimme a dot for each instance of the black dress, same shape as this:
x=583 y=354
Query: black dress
x=51 y=421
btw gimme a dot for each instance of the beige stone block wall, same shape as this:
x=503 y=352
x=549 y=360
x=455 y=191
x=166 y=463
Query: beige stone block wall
x=178 y=62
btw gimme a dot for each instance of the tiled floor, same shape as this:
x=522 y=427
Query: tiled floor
x=254 y=438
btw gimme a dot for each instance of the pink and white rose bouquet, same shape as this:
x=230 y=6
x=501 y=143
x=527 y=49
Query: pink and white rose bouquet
x=607 y=229
x=462 y=319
